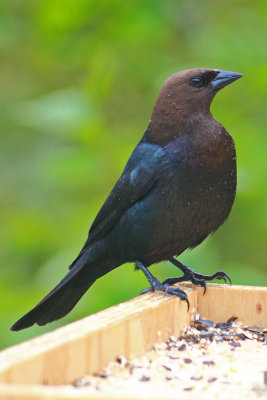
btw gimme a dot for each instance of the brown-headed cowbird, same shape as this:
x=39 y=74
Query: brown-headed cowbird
x=177 y=187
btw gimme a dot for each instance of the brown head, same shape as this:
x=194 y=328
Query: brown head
x=184 y=98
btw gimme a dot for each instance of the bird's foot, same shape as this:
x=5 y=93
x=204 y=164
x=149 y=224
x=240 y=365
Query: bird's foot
x=156 y=286
x=194 y=277
x=164 y=287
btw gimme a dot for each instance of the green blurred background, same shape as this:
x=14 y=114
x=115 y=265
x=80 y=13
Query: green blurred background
x=78 y=81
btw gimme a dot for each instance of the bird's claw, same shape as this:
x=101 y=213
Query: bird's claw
x=222 y=275
x=156 y=286
x=187 y=277
x=199 y=282
x=164 y=287
x=181 y=294
x=218 y=275
x=198 y=279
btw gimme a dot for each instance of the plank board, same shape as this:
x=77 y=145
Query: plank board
x=248 y=303
x=86 y=346
x=128 y=329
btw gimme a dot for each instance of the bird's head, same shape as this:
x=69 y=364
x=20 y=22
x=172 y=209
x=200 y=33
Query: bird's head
x=187 y=94
x=194 y=89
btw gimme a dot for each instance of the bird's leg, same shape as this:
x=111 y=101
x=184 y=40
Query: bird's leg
x=156 y=285
x=194 y=277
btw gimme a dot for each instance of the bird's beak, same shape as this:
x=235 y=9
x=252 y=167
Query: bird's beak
x=224 y=78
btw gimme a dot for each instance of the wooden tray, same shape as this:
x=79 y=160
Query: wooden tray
x=28 y=370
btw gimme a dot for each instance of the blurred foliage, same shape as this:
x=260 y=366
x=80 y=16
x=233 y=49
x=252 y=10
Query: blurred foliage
x=78 y=83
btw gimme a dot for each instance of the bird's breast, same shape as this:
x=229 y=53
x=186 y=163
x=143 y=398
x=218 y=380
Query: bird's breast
x=204 y=151
x=191 y=199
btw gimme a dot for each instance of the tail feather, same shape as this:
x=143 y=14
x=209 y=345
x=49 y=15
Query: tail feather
x=60 y=301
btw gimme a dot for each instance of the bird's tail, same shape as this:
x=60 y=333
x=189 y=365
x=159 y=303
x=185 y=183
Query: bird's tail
x=61 y=300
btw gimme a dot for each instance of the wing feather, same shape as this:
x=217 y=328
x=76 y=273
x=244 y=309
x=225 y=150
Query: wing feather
x=138 y=178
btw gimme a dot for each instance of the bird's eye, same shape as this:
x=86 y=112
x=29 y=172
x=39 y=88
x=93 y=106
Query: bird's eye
x=196 y=82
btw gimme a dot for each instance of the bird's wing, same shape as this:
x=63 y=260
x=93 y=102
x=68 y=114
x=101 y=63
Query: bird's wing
x=140 y=174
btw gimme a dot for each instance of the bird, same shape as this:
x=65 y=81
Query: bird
x=176 y=189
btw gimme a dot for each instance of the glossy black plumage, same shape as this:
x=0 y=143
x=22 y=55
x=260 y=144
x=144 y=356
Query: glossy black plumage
x=177 y=187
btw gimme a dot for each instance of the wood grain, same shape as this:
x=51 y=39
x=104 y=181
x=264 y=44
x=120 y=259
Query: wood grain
x=86 y=346
x=128 y=329
x=221 y=302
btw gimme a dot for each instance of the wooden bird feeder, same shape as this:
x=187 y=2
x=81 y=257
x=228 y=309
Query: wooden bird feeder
x=44 y=367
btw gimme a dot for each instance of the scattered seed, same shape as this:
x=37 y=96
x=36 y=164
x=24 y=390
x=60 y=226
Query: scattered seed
x=121 y=360
x=204 y=322
x=208 y=334
x=191 y=338
x=187 y=360
x=103 y=375
x=166 y=367
x=235 y=344
x=171 y=377
x=228 y=337
x=232 y=319
x=144 y=379
x=253 y=329
x=241 y=336
x=196 y=378
x=212 y=380
x=201 y=328
x=196 y=338
x=248 y=335
x=224 y=325
x=209 y=363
